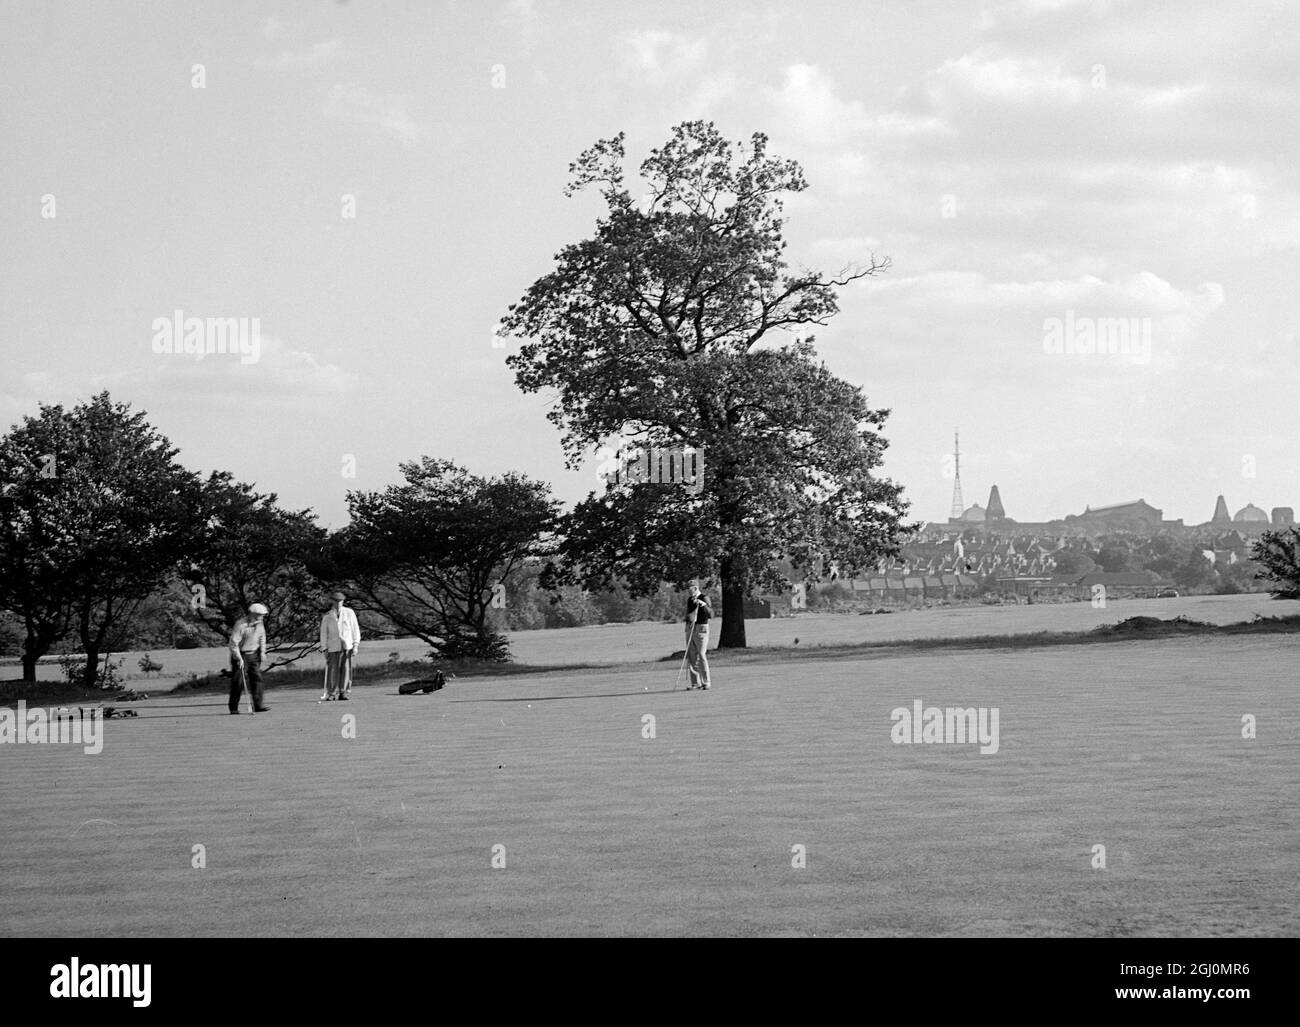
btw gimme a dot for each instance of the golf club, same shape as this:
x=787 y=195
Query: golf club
x=243 y=680
x=689 y=631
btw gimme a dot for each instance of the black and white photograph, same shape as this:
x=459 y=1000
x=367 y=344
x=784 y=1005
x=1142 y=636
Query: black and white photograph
x=544 y=469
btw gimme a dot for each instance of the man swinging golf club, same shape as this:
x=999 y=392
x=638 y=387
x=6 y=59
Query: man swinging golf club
x=698 y=613
x=247 y=653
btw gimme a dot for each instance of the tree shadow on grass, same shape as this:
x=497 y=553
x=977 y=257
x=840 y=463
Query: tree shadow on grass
x=601 y=695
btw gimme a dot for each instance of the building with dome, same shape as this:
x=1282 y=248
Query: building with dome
x=1250 y=518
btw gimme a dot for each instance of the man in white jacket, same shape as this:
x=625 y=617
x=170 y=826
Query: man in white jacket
x=339 y=637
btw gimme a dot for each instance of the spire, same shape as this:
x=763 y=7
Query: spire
x=995 y=511
x=957 y=505
x=1221 y=513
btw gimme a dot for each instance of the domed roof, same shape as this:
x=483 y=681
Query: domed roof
x=974 y=513
x=1249 y=512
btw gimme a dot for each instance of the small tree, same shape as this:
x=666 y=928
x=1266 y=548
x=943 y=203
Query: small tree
x=11 y=639
x=1072 y=562
x=257 y=553
x=429 y=554
x=1114 y=559
x=1195 y=571
x=1278 y=555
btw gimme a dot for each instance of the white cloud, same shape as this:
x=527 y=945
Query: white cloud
x=1140 y=294
x=278 y=370
x=521 y=17
x=810 y=109
x=657 y=57
x=712 y=90
x=356 y=104
x=1010 y=80
x=839 y=141
x=1030 y=10
x=320 y=53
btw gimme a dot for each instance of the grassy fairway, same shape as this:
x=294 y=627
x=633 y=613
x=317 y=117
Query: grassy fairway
x=1136 y=746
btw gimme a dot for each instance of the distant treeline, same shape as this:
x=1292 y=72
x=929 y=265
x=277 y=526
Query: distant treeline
x=166 y=621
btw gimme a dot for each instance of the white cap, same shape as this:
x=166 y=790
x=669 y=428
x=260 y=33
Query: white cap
x=258 y=608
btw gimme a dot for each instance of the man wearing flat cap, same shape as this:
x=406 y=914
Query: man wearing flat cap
x=339 y=637
x=247 y=652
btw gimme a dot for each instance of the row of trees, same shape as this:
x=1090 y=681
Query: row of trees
x=101 y=527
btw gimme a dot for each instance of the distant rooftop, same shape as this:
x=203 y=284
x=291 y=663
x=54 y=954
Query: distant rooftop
x=1114 y=506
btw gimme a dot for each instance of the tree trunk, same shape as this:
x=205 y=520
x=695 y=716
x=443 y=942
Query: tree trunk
x=91 y=672
x=34 y=647
x=732 y=635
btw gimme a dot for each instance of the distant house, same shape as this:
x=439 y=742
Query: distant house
x=763 y=607
x=1029 y=586
x=1121 y=583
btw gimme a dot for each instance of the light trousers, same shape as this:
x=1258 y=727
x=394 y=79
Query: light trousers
x=338 y=673
x=697 y=647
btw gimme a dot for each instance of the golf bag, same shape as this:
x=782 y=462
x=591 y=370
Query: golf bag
x=425 y=685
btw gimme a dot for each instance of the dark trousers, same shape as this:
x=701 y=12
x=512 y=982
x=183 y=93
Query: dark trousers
x=254 y=675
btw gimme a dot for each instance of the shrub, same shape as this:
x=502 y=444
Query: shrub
x=73 y=668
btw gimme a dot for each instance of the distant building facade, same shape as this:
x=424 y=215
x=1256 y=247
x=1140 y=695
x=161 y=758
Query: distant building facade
x=1137 y=517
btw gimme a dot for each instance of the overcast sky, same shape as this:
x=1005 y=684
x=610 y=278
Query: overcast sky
x=1019 y=162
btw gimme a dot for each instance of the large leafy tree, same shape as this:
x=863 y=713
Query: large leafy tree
x=97 y=514
x=258 y=553
x=660 y=330
x=429 y=553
